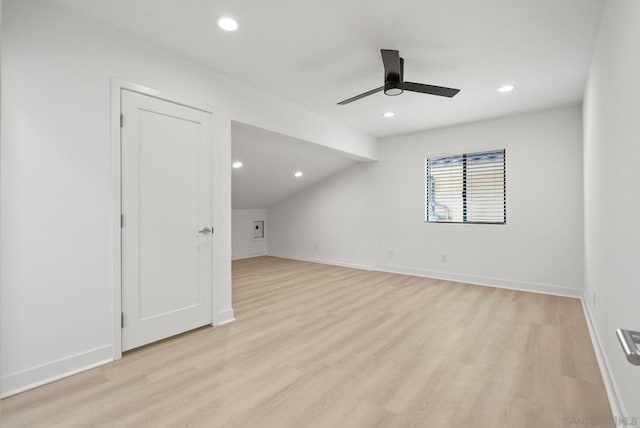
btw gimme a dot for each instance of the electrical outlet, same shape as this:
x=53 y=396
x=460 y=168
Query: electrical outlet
x=443 y=258
x=391 y=254
x=315 y=246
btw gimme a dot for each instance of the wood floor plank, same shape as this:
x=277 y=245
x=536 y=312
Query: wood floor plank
x=319 y=346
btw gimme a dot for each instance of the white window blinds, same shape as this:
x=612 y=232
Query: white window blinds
x=466 y=188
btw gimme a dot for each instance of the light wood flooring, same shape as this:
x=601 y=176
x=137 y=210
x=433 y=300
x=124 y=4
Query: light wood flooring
x=324 y=346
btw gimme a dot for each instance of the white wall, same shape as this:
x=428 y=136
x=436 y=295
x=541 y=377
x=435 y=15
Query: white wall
x=56 y=251
x=1 y=195
x=612 y=194
x=372 y=215
x=243 y=244
x=330 y=221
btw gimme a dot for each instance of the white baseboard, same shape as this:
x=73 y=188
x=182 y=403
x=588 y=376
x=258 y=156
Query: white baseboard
x=617 y=407
x=334 y=262
x=48 y=372
x=533 y=287
x=224 y=317
x=248 y=255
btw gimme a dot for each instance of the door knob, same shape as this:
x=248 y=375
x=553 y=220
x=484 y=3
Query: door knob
x=206 y=230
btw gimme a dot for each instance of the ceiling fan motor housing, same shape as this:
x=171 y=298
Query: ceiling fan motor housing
x=392 y=88
x=393 y=80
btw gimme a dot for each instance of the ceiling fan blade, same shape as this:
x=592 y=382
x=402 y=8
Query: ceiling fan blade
x=430 y=89
x=357 y=97
x=392 y=66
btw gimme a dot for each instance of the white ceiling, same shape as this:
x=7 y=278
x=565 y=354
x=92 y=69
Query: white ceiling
x=316 y=53
x=269 y=161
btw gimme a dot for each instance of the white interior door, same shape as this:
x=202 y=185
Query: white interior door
x=166 y=205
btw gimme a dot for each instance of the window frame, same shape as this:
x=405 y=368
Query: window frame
x=464 y=154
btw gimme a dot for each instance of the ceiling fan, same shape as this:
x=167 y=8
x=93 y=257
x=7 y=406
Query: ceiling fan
x=394 y=83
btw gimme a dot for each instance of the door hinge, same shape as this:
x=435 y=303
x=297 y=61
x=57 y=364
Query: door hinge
x=121 y=220
x=121 y=120
x=121 y=319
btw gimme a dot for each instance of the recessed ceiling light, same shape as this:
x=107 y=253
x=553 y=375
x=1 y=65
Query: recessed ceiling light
x=506 y=88
x=389 y=114
x=236 y=164
x=227 y=24
x=298 y=174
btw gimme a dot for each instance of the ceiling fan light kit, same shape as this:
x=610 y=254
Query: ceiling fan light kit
x=394 y=83
x=393 y=88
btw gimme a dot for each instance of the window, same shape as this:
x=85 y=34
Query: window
x=466 y=188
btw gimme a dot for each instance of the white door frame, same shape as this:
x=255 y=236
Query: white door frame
x=117 y=86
